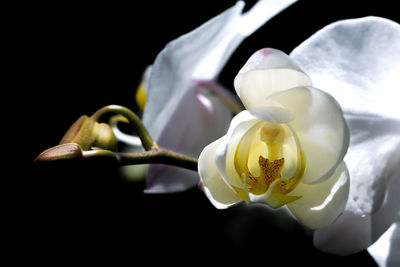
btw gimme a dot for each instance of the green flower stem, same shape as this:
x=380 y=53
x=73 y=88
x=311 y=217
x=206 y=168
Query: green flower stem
x=155 y=156
x=147 y=142
x=160 y=156
x=229 y=99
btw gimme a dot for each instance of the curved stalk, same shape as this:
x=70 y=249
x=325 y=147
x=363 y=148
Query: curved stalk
x=147 y=142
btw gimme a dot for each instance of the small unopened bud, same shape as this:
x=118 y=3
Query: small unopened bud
x=89 y=133
x=105 y=137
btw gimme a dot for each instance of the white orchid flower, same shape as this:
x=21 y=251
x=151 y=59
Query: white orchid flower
x=178 y=114
x=358 y=62
x=287 y=148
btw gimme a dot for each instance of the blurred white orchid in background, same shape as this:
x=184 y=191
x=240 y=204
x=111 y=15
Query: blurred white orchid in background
x=178 y=114
x=287 y=148
x=358 y=62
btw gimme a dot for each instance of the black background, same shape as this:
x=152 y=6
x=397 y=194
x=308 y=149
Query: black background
x=73 y=58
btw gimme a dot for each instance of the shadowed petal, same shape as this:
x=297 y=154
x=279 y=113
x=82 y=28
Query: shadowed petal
x=353 y=232
x=199 y=119
x=347 y=235
x=169 y=179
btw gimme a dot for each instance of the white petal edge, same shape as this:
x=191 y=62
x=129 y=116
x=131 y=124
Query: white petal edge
x=216 y=189
x=239 y=27
x=128 y=139
x=321 y=203
x=320 y=127
x=261 y=12
x=385 y=250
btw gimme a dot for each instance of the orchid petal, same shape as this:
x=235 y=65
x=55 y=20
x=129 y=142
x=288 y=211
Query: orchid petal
x=199 y=55
x=218 y=192
x=321 y=203
x=347 y=235
x=321 y=128
x=357 y=61
x=267 y=71
x=198 y=119
x=374 y=143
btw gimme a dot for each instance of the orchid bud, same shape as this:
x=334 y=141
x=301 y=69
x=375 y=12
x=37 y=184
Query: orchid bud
x=89 y=133
x=105 y=137
x=60 y=152
x=85 y=134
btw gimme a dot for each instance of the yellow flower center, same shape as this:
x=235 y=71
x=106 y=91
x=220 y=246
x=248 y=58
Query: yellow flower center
x=270 y=162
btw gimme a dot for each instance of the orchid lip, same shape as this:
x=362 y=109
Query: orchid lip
x=261 y=157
